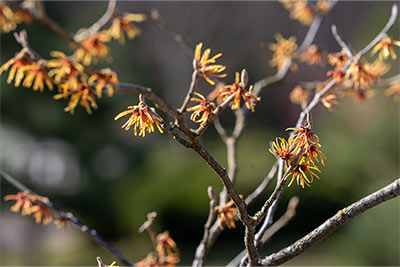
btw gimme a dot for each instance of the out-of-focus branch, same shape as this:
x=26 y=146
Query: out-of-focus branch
x=148 y=226
x=172 y=33
x=202 y=247
x=67 y=216
x=378 y=38
x=85 y=32
x=341 y=217
x=261 y=187
x=339 y=40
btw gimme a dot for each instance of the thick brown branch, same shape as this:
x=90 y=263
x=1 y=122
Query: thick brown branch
x=341 y=217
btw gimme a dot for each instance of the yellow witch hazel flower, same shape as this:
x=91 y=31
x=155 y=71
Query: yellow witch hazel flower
x=143 y=117
x=283 y=48
x=385 y=48
x=205 y=65
x=123 y=24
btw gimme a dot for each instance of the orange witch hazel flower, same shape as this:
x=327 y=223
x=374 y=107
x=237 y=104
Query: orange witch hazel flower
x=83 y=95
x=282 y=49
x=202 y=110
x=24 y=202
x=338 y=59
x=361 y=75
x=105 y=78
x=124 y=23
x=143 y=117
x=149 y=261
x=299 y=95
x=328 y=101
x=9 y=18
x=227 y=214
x=303 y=137
x=37 y=76
x=19 y=65
x=93 y=48
x=237 y=89
x=282 y=149
x=300 y=172
x=65 y=70
x=394 y=90
x=204 y=65
x=42 y=213
x=165 y=245
x=301 y=11
x=385 y=48
x=313 y=56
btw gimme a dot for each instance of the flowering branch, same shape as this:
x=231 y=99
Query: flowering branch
x=341 y=217
x=241 y=121
x=67 y=216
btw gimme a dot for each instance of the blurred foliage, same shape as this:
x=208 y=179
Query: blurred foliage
x=361 y=141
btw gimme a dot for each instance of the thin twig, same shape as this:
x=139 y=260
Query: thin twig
x=220 y=129
x=339 y=40
x=85 y=32
x=148 y=226
x=189 y=95
x=68 y=216
x=173 y=34
x=341 y=217
x=378 y=38
x=202 y=247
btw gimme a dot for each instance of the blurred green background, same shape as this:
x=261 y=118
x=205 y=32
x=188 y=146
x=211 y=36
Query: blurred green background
x=111 y=179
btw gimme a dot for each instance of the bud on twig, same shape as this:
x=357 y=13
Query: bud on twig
x=244 y=78
x=211 y=193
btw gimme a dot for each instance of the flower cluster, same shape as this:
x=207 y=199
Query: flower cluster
x=9 y=18
x=166 y=252
x=93 y=48
x=305 y=12
x=299 y=95
x=125 y=24
x=237 y=89
x=143 y=117
x=313 y=56
x=41 y=212
x=205 y=65
x=283 y=49
x=26 y=71
x=385 y=48
x=227 y=215
x=203 y=110
x=394 y=90
x=301 y=152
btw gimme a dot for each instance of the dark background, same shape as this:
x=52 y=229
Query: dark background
x=111 y=179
